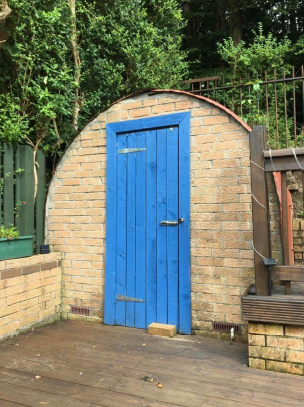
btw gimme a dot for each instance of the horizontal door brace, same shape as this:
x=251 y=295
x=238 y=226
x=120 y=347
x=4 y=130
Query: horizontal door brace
x=125 y=298
x=130 y=150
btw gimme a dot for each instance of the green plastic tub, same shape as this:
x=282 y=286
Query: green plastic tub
x=14 y=248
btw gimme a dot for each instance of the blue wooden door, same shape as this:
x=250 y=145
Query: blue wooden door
x=143 y=276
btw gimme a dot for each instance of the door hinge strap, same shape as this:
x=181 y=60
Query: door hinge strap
x=125 y=298
x=130 y=150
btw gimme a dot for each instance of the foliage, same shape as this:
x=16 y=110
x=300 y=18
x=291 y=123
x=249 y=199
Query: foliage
x=247 y=65
x=8 y=233
x=210 y=22
x=123 y=47
x=36 y=75
x=13 y=125
x=263 y=53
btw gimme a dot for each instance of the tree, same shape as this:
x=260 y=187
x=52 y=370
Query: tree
x=211 y=21
x=65 y=60
x=235 y=21
x=5 y=12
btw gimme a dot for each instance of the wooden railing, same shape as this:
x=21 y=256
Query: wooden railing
x=17 y=204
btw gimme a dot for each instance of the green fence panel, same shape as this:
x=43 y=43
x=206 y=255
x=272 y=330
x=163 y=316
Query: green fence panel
x=25 y=190
x=8 y=185
x=1 y=192
x=40 y=200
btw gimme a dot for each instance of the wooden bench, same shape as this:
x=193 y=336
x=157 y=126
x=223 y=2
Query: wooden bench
x=287 y=274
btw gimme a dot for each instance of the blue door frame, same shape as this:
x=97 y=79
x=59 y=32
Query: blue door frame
x=182 y=121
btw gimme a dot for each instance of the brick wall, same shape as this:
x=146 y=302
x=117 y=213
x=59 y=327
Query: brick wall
x=30 y=291
x=221 y=224
x=298 y=240
x=276 y=347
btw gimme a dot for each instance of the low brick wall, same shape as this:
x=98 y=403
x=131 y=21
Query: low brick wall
x=276 y=347
x=30 y=292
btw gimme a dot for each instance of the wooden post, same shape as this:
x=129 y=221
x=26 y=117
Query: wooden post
x=285 y=241
x=261 y=239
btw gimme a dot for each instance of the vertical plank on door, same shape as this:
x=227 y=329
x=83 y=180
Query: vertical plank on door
x=151 y=271
x=140 y=320
x=172 y=231
x=162 y=283
x=110 y=276
x=121 y=229
x=184 y=228
x=131 y=237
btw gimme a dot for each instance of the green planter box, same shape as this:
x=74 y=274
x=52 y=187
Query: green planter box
x=14 y=248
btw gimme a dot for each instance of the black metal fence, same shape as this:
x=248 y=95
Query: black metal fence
x=277 y=102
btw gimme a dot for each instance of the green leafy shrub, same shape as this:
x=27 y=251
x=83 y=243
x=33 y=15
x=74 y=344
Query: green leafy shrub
x=8 y=233
x=247 y=65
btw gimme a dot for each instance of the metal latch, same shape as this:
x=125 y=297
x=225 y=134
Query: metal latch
x=125 y=298
x=172 y=222
x=130 y=150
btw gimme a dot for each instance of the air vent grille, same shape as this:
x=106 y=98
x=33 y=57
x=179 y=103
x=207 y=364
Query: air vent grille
x=80 y=310
x=225 y=327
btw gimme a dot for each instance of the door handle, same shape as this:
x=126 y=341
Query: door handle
x=172 y=222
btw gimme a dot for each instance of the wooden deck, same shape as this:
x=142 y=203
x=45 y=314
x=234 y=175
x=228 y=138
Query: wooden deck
x=265 y=309
x=74 y=364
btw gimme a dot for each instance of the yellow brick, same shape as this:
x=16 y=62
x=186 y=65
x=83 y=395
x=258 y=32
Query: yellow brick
x=283 y=367
x=257 y=363
x=152 y=102
x=294 y=356
x=200 y=112
x=189 y=104
x=159 y=109
x=205 y=133
x=225 y=128
x=10 y=329
x=132 y=105
x=287 y=343
x=11 y=309
x=297 y=331
x=16 y=298
x=162 y=329
x=141 y=112
x=262 y=352
x=216 y=120
x=265 y=329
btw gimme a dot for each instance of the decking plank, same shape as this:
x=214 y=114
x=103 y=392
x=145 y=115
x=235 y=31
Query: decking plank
x=103 y=366
x=17 y=394
x=124 y=355
x=4 y=403
x=130 y=380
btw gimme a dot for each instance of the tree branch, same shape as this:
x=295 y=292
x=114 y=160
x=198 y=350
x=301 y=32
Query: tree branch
x=5 y=12
x=77 y=62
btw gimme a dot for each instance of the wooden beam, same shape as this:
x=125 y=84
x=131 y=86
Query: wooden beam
x=287 y=273
x=284 y=160
x=285 y=220
x=261 y=239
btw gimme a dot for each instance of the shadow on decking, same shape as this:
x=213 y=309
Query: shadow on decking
x=73 y=364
